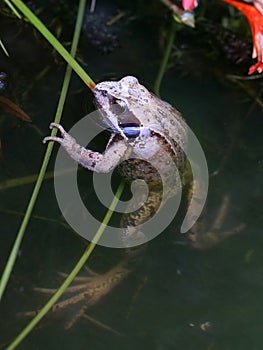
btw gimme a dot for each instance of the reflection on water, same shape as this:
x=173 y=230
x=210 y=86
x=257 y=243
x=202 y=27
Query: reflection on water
x=178 y=297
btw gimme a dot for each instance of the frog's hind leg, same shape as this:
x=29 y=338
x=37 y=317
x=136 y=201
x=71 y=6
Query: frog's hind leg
x=201 y=238
x=133 y=235
x=80 y=297
x=220 y=217
x=86 y=294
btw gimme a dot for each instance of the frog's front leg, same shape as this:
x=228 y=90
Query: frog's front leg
x=94 y=161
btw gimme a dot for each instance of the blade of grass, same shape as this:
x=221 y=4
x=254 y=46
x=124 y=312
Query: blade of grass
x=53 y=41
x=165 y=60
x=4 y=48
x=73 y=273
x=32 y=201
x=8 y=3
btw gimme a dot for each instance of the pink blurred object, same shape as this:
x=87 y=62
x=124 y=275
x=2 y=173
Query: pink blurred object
x=188 y=5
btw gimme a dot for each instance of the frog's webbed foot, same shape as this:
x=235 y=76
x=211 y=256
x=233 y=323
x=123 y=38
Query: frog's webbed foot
x=203 y=238
x=65 y=138
x=208 y=239
x=86 y=292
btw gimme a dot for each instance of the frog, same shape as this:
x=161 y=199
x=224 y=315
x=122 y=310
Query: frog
x=147 y=133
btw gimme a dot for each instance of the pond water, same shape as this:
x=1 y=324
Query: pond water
x=176 y=297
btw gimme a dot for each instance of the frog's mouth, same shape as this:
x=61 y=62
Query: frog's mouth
x=130 y=130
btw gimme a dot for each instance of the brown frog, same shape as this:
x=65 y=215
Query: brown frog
x=147 y=134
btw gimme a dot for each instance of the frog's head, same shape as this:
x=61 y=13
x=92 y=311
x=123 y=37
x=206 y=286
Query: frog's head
x=121 y=104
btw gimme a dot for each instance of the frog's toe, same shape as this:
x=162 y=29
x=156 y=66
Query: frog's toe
x=55 y=138
x=52 y=138
x=57 y=126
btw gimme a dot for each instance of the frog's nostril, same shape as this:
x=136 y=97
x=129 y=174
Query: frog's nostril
x=104 y=93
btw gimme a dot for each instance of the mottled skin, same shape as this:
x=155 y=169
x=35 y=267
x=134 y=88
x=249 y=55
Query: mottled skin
x=128 y=103
x=145 y=127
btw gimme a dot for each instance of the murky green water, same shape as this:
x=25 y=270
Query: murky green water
x=177 y=298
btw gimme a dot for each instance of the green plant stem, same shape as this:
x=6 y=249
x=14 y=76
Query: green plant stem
x=165 y=60
x=53 y=41
x=72 y=275
x=32 y=201
x=4 y=48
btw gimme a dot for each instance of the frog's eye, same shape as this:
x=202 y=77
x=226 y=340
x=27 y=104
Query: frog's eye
x=118 y=107
x=121 y=103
